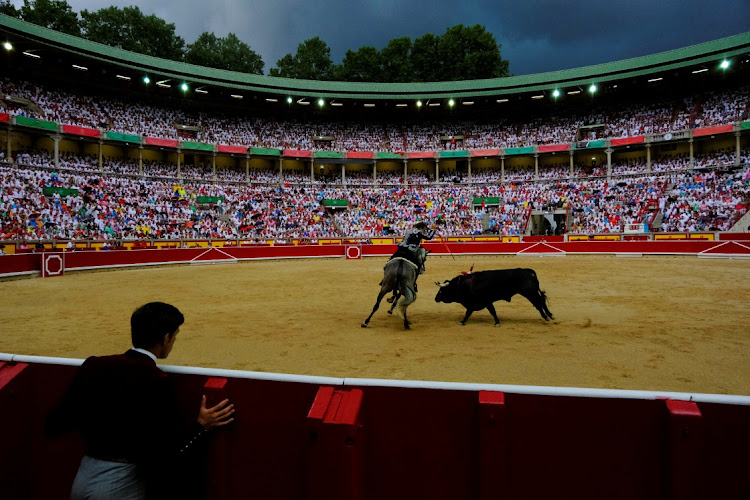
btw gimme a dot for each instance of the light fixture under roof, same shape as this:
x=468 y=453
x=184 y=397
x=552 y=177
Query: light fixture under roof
x=574 y=92
x=271 y=99
x=700 y=71
x=369 y=105
x=201 y=91
x=122 y=77
x=163 y=84
x=401 y=105
x=29 y=54
x=467 y=103
x=655 y=80
x=236 y=96
x=336 y=103
x=80 y=68
x=540 y=96
x=303 y=102
x=502 y=100
x=433 y=104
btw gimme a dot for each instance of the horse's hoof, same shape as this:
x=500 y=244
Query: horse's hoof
x=407 y=327
x=363 y=325
x=462 y=323
x=497 y=324
x=390 y=312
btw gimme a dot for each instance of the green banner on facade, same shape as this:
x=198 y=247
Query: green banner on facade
x=336 y=203
x=36 y=123
x=49 y=191
x=205 y=200
x=520 y=151
x=265 y=151
x=116 y=136
x=384 y=155
x=454 y=154
x=328 y=154
x=487 y=201
x=199 y=146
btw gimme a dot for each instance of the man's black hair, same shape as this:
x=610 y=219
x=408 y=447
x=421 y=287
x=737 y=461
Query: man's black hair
x=150 y=322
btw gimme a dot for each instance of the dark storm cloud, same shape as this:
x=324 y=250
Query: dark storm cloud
x=536 y=35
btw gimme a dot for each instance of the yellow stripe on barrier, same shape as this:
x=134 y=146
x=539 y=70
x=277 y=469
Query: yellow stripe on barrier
x=702 y=236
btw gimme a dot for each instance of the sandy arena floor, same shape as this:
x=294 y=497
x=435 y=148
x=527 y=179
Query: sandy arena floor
x=652 y=323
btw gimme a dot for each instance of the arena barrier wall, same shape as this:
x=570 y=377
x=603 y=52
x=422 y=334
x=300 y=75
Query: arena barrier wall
x=299 y=437
x=81 y=260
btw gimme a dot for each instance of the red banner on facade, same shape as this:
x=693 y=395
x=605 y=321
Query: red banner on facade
x=485 y=152
x=166 y=143
x=4 y=118
x=628 y=140
x=232 y=149
x=421 y=154
x=553 y=148
x=367 y=155
x=721 y=129
x=75 y=130
x=296 y=153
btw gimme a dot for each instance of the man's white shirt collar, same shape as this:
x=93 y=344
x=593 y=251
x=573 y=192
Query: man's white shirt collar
x=147 y=353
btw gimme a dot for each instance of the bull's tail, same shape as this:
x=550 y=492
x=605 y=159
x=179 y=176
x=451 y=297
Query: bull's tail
x=539 y=300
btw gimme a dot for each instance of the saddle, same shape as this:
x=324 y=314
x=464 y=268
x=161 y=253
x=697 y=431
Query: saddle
x=405 y=253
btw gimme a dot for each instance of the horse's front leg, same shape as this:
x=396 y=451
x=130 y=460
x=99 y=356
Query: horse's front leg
x=377 y=304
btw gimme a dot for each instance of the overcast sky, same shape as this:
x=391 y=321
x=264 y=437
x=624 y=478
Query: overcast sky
x=536 y=35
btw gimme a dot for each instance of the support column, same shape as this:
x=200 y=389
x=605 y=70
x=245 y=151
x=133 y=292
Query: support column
x=140 y=159
x=213 y=164
x=8 y=151
x=312 y=169
x=343 y=174
x=374 y=171
x=56 y=138
x=692 y=157
x=609 y=162
x=281 y=170
x=101 y=161
x=502 y=169
x=536 y=166
x=437 y=170
x=469 y=165
x=738 y=156
x=247 y=168
x=648 y=158
x=179 y=161
x=572 y=171
x=406 y=182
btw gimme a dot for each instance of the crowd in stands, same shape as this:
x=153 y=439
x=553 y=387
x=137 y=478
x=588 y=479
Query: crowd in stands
x=123 y=198
x=161 y=120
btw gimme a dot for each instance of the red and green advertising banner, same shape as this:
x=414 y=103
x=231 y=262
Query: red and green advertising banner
x=165 y=143
x=86 y=132
x=421 y=154
x=362 y=155
x=265 y=151
x=553 y=148
x=626 y=141
x=296 y=153
x=454 y=154
x=4 y=117
x=721 y=129
x=485 y=152
x=198 y=146
x=36 y=123
x=240 y=150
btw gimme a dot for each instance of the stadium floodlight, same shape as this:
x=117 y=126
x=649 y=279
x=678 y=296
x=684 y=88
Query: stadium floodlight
x=184 y=87
x=419 y=104
x=201 y=91
x=31 y=54
x=540 y=96
x=235 y=96
x=122 y=77
x=321 y=102
x=724 y=64
x=146 y=80
x=555 y=93
x=502 y=100
x=8 y=46
x=289 y=100
x=451 y=103
x=655 y=80
x=593 y=88
x=80 y=68
x=271 y=99
x=700 y=71
x=467 y=103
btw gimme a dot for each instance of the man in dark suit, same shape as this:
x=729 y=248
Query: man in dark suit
x=127 y=412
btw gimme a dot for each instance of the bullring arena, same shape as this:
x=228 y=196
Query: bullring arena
x=670 y=323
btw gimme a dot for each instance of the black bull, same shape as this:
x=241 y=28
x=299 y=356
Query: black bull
x=476 y=291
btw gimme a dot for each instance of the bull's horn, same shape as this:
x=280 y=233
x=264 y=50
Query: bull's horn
x=441 y=285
